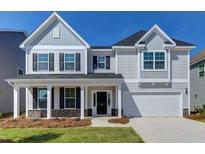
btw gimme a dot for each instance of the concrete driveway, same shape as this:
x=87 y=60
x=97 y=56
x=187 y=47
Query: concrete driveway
x=169 y=130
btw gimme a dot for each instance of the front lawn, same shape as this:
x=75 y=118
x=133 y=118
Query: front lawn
x=70 y=135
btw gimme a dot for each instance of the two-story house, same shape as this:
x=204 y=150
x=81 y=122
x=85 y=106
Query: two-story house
x=145 y=75
x=12 y=63
x=198 y=81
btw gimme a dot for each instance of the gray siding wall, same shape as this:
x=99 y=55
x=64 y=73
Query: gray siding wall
x=104 y=53
x=197 y=87
x=154 y=42
x=179 y=67
x=66 y=36
x=11 y=58
x=127 y=63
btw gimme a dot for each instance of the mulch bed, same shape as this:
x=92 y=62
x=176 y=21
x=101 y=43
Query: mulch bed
x=44 y=123
x=196 y=117
x=123 y=120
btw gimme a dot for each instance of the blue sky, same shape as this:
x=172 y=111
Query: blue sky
x=106 y=28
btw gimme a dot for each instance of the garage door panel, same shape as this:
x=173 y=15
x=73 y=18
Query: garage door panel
x=151 y=105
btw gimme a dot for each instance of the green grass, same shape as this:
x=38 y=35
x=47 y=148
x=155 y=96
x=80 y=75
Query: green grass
x=71 y=135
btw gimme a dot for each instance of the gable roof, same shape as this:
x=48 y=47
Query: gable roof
x=199 y=57
x=45 y=24
x=137 y=37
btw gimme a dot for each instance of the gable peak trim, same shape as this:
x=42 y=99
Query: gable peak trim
x=155 y=26
x=52 y=17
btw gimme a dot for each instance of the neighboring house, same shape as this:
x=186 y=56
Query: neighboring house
x=198 y=81
x=145 y=75
x=12 y=63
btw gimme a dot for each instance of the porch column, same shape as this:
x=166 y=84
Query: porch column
x=86 y=97
x=49 y=112
x=119 y=94
x=27 y=102
x=82 y=102
x=16 y=102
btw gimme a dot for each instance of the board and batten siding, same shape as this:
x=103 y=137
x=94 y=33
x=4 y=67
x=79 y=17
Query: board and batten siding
x=101 y=53
x=56 y=61
x=197 y=87
x=66 y=36
x=179 y=67
x=127 y=63
x=154 y=42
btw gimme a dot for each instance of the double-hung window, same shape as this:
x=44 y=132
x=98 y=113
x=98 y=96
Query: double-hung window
x=43 y=62
x=42 y=98
x=148 y=60
x=69 y=61
x=70 y=98
x=159 y=60
x=154 y=60
x=101 y=62
x=201 y=70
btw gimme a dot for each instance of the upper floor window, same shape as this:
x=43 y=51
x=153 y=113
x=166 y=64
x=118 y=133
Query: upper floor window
x=43 y=62
x=101 y=62
x=20 y=71
x=201 y=70
x=69 y=61
x=154 y=60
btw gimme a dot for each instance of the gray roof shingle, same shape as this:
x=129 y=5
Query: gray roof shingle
x=131 y=40
x=70 y=76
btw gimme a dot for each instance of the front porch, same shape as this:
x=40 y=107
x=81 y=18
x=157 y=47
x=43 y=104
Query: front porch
x=68 y=98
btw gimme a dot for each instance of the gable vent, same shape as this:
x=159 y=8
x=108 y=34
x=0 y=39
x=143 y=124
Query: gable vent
x=56 y=33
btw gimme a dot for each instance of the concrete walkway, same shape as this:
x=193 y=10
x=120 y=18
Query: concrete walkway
x=169 y=130
x=103 y=122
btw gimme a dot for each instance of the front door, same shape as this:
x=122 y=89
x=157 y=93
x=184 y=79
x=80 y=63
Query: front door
x=101 y=102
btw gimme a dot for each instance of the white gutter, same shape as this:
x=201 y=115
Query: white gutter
x=12 y=85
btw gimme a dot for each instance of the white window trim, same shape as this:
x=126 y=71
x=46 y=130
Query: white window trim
x=38 y=108
x=199 y=71
x=101 y=62
x=153 y=70
x=42 y=62
x=69 y=97
x=70 y=62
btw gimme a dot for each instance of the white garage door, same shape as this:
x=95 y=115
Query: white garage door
x=152 y=104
